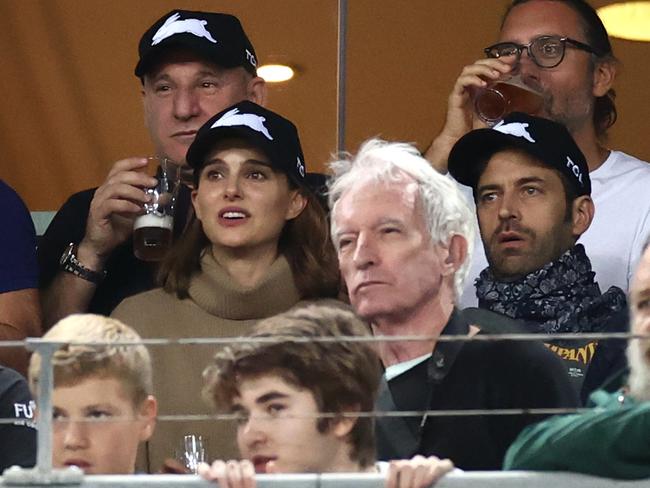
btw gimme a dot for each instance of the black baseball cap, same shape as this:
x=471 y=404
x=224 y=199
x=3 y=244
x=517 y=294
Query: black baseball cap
x=219 y=38
x=270 y=132
x=545 y=140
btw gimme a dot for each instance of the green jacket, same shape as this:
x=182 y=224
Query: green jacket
x=612 y=440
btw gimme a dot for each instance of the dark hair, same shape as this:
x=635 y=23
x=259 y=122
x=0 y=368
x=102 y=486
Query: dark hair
x=342 y=375
x=304 y=242
x=605 y=113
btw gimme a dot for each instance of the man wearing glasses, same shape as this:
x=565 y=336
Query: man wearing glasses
x=561 y=48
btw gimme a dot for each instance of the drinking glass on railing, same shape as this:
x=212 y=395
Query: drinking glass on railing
x=191 y=452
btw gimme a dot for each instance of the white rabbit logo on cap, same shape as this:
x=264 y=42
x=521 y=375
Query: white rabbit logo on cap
x=233 y=117
x=517 y=129
x=174 y=26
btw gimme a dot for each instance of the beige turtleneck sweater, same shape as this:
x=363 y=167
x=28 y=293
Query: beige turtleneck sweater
x=217 y=307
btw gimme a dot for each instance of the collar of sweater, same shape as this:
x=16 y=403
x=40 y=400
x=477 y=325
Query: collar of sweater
x=216 y=293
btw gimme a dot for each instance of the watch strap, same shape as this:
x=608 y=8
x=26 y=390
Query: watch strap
x=71 y=264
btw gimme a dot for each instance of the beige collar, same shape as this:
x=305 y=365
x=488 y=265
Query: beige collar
x=216 y=293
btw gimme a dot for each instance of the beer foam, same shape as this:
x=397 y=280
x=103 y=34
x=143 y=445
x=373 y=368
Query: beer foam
x=150 y=220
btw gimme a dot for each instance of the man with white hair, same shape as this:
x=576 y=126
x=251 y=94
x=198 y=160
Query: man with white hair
x=611 y=440
x=403 y=232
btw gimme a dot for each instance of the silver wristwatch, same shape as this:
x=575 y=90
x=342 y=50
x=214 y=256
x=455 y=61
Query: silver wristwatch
x=71 y=264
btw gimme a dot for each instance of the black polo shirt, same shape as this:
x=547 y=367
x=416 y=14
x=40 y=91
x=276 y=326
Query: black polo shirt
x=126 y=274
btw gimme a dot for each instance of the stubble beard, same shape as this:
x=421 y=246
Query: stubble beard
x=575 y=111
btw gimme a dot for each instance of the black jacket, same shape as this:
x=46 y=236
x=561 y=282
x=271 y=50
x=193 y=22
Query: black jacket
x=470 y=375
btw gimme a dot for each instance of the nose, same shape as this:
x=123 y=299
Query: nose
x=509 y=208
x=365 y=252
x=75 y=435
x=251 y=435
x=186 y=104
x=524 y=65
x=232 y=189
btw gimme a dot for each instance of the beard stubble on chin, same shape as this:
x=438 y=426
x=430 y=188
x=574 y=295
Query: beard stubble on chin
x=498 y=259
x=573 y=109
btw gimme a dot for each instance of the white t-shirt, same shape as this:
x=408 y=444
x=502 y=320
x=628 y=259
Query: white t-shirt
x=620 y=189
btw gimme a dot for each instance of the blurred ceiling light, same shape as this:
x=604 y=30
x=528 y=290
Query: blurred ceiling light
x=627 y=20
x=275 y=73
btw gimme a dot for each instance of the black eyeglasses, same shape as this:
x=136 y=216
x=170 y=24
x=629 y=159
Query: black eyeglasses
x=545 y=51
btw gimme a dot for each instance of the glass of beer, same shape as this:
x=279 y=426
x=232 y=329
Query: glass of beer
x=152 y=231
x=503 y=97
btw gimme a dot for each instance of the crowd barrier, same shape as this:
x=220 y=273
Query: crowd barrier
x=44 y=475
x=476 y=479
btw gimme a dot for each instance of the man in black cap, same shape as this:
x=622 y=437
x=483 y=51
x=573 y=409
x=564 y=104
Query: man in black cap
x=532 y=191
x=561 y=49
x=192 y=65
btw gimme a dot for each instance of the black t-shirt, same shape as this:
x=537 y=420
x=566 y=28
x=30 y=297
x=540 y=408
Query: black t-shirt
x=17 y=440
x=126 y=274
x=471 y=375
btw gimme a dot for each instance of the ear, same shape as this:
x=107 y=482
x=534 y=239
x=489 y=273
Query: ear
x=148 y=411
x=582 y=215
x=456 y=254
x=256 y=90
x=296 y=205
x=197 y=212
x=342 y=426
x=604 y=75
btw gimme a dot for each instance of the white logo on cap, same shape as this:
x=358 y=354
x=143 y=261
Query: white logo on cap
x=574 y=169
x=233 y=117
x=517 y=129
x=174 y=26
x=300 y=167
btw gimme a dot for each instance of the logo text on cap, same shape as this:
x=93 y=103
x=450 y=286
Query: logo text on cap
x=252 y=121
x=517 y=129
x=574 y=169
x=251 y=58
x=174 y=26
x=300 y=167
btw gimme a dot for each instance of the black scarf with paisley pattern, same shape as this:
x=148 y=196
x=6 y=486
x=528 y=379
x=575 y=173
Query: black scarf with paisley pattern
x=560 y=297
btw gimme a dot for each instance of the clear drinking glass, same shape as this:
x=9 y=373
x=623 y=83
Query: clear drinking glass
x=503 y=97
x=191 y=452
x=152 y=232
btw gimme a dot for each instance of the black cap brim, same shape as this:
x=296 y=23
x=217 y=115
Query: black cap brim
x=468 y=157
x=221 y=57
x=201 y=147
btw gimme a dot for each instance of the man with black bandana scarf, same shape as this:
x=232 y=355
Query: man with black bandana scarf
x=532 y=190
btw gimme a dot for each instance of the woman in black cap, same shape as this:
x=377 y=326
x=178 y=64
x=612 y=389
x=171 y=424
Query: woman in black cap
x=259 y=244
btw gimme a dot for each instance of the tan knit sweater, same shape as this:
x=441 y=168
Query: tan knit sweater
x=217 y=307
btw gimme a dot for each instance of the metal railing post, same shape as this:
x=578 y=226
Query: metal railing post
x=342 y=74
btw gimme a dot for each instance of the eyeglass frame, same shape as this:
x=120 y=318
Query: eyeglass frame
x=520 y=48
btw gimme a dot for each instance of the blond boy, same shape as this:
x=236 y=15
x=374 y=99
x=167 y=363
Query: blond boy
x=103 y=406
